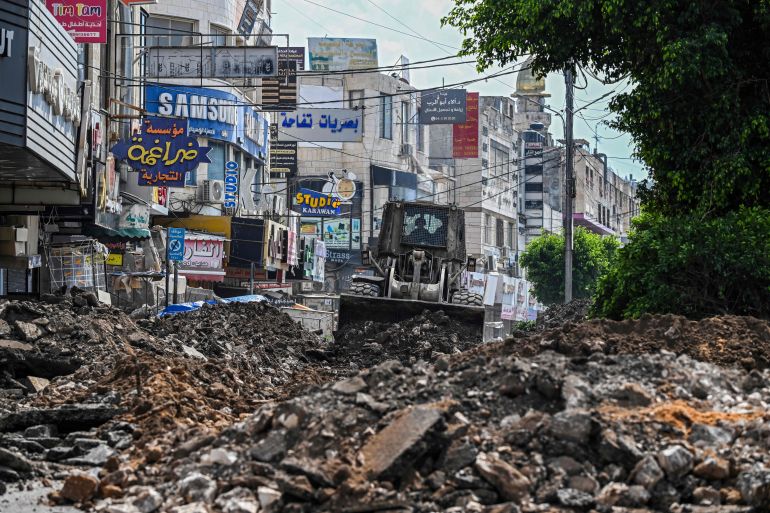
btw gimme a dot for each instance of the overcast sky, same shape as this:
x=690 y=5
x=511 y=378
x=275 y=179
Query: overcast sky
x=413 y=28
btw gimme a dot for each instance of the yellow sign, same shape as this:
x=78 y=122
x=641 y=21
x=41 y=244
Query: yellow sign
x=115 y=259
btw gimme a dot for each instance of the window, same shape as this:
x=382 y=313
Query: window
x=405 y=115
x=191 y=178
x=217 y=157
x=356 y=101
x=424 y=226
x=509 y=237
x=420 y=133
x=500 y=233
x=219 y=36
x=533 y=187
x=169 y=32
x=488 y=229
x=386 y=117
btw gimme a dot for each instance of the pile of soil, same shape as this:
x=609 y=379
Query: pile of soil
x=424 y=337
x=558 y=315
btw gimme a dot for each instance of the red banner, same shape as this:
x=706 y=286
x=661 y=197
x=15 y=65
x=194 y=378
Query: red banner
x=465 y=136
x=84 y=20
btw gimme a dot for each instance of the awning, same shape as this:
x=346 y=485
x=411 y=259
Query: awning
x=592 y=225
x=200 y=275
x=102 y=232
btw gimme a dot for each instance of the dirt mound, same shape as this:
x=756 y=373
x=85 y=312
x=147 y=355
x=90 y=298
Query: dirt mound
x=423 y=337
x=723 y=340
x=557 y=315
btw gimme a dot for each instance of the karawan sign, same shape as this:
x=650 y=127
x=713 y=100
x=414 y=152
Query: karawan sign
x=316 y=204
x=162 y=152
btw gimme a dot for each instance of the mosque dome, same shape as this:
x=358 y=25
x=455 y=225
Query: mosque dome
x=526 y=82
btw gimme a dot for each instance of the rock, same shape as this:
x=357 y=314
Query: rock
x=755 y=486
x=86 y=444
x=442 y=363
x=270 y=448
x=60 y=453
x=3 y=488
x=513 y=385
x=369 y=402
x=41 y=431
x=79 y=487
x=267 y=497
x=566 y=465
x=110 y=491
x=573 y=425
x=147 y=499
x=633 y=394
x=676 y=461
x=95 y=457
x=459 y=455
x=195 y=507
x=14 y=460
x=91 y=299
x=153 y=453
x=65 y=415
x=712 y=469
x=219 y=456
x=622 y=495
x=511 y=484
x=647 y=472
x=8 y=475
x=298 y=487
x=15 y=344
x=707 y=496
x=620 y=449
x=710 y=436
x=572 y=498
x=584 y=483
x=395 y=446
x=238 y=500
x=192 y=352
x=197 y=487
x=350 y=386
x=310 y=468
x=28 y=331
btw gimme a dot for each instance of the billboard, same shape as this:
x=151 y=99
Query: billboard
x=212 y=62
x=84 y=20
x=280 y=93
x=444 y=106
x=465 y=136
x=320 y=125
x=341 y=53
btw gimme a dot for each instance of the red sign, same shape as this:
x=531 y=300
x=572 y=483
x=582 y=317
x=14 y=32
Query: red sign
x=84 y=20
x=465 y=136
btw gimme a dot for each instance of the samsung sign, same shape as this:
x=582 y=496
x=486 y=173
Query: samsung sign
x=213 y=114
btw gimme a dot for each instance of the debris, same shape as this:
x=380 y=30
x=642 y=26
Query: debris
x=79 y=487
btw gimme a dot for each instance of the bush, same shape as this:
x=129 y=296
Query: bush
x=544 y=263
x=691 y=266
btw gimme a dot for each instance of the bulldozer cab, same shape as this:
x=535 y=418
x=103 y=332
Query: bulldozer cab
x=407 y=226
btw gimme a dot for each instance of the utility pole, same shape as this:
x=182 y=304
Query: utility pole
x=569 y=189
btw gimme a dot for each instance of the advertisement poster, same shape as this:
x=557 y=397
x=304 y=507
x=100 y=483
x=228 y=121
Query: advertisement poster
x=84 y=20
x=443 y=106
x=476 y=283
x=465 y=136
x=490 y=291
x=341 y=53
x=521 y=301
x=319 y=260
x=203 y=253
x=509 y=292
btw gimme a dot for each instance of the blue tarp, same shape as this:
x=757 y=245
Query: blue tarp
x=189 y=307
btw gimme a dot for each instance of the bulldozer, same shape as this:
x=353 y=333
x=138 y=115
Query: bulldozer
x=418 y=262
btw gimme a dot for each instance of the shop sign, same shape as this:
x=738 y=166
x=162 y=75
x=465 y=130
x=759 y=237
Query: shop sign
x=212 y=114
x=135 y=216
x=49 y=82
x=508 y=301
x=465 y=136
x=116 y=251
x=6 y=42
x=444 y=106
x=320 y=125
x=248 y=17
x=226 y=62
x=108 y=188
x=338 y=256
x=316 y=204
x=203 y=254
x=231 y=185
x=84 y=20
x=280 y=93
x=162 y=153
x=341 y=53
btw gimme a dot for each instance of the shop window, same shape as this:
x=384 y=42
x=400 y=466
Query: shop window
x=170 y=31
x=219 y=36
x=217 y=157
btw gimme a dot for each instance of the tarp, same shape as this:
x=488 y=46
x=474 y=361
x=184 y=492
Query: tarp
x=189 y=307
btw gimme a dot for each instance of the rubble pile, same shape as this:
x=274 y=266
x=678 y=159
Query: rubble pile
x=490 y=433
x=559 y=314
x=723 y=340
x=423 y=337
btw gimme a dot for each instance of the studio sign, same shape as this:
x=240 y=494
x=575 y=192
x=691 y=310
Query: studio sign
x=50 y=83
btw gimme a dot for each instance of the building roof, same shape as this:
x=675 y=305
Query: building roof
x=528 y=83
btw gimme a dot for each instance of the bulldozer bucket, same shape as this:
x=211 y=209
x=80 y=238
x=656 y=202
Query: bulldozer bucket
x=379 y=309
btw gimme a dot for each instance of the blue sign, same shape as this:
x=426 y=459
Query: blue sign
x=162 y=152
x=175 y=249
x=231 y=184
x=317 y=204
x=212 y=114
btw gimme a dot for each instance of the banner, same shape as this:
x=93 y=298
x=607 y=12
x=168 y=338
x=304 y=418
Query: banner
x=320 y=125
x=476 y=283
x=341 y=54
x=465 y=137
x=84 y=20
x=161 y=152
x=509 y=292
x=444 y=106
x=200 y=62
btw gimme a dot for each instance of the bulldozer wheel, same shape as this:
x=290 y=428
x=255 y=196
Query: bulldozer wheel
x=365 y=289
x=463 y=297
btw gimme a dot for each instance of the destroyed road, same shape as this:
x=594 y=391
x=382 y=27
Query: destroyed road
x=235 y=408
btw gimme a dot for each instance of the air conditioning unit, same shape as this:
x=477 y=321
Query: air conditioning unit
x=505 y=252
x=405 y=150
x=212 y=191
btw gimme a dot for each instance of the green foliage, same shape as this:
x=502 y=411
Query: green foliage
x=524 y=326
x=544 y=262
x=691 y=266
x=699 y=106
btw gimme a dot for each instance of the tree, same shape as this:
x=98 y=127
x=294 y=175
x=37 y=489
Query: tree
x=699 y=106
x=544 y=263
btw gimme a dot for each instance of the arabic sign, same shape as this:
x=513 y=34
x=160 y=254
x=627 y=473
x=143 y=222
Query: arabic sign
x=175 y=249
x=203 y=254
x=465 y=137
x=231 y=185
x=445 y=106
x=248 y=18
x=161 y=152
x=135 y=216
x=281 y=93
x=283 y=156
x=84 y=20
x=313 y=203
x=212 y=62
x=341 y=53
x=320 y=125
x=212 y=114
